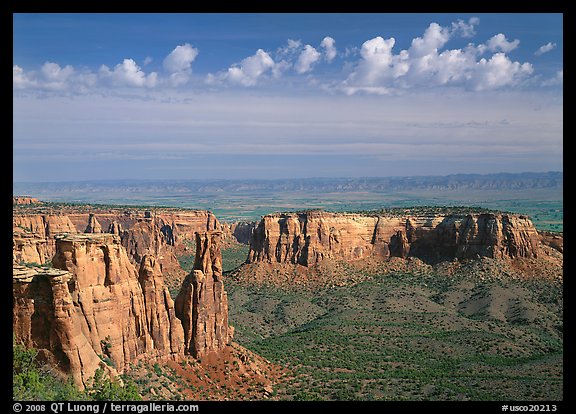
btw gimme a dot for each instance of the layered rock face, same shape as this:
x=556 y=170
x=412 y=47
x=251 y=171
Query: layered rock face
x=38 y=227
x=159 y=234
x=96 y=307
x=27 y=247
x=164 y=328
x=45 y=317
x=202 y=303
x=310 y=237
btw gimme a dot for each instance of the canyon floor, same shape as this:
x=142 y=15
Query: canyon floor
x=427 y=334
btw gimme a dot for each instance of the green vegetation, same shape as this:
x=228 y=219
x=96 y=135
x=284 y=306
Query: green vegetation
x=428 y=211
x=35 y=381
x=234 y=256
x=409 y=337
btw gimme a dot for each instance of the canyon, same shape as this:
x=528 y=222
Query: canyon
x=91 y=283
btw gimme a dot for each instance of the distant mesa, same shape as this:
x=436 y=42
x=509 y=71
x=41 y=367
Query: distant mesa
x=309 y=237
x=23 y=200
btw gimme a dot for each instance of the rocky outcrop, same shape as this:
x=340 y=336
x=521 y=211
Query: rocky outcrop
x=162 y=234
x=25 y=200
x=93 y=309
x=554 y=240
x=202 y=303
x=43 y=225
x=45 y=317
x=28 y=248
x=32 y=228
x=99 y=303
x=165 y=329
x=93 y=225
x=309 y=237
x=115 y=228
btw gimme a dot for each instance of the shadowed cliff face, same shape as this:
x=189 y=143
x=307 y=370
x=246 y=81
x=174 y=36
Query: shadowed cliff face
x=202 y=303
x=310 y=237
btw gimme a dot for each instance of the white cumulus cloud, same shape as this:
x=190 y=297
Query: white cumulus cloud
x=427 y=63
x=558 y=79
x=127 y=73
x=500 y=43
x=498 y=71
x=329 y=48
x=307 y=59
x=250 y=69
x=545 y=48
x=179 y=64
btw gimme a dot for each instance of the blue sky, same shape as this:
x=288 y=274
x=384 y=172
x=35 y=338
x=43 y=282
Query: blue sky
x=105 y=96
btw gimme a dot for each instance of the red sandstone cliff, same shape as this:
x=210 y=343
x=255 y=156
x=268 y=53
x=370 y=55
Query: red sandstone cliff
x=310 y=237
x=94 y=306
x=100 y=303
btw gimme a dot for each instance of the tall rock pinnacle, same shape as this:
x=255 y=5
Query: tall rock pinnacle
x=202 y=303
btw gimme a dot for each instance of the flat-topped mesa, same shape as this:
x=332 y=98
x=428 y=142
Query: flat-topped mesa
x=25 y=200
x=202 y=303
x=309 y=237
x=119 y=314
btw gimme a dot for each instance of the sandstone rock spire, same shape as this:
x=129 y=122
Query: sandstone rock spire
x=93 y=225
x=202 y=303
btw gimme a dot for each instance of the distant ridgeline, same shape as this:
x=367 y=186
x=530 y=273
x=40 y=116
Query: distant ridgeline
x=498 y=181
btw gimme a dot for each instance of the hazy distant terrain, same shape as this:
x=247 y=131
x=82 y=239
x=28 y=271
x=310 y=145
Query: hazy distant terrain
x=539 y=195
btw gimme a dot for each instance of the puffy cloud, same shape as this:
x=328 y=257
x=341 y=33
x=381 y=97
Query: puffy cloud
x=20 y=80
x=56 y=78
x=280 y=67
x=425 y=64
x=498 y=71
x=53 y=72
x=147 y=60
x=127 y=73
x=545 y=48
x=465 y=29
x=250 y=69
x=180 y=59
x=499 y=42
x=307 y=59
x=434 y=37
x=179 y=64
x=376 y=60
x=329 y=48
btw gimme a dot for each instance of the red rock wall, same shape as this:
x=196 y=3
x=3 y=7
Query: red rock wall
x=310 y=237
